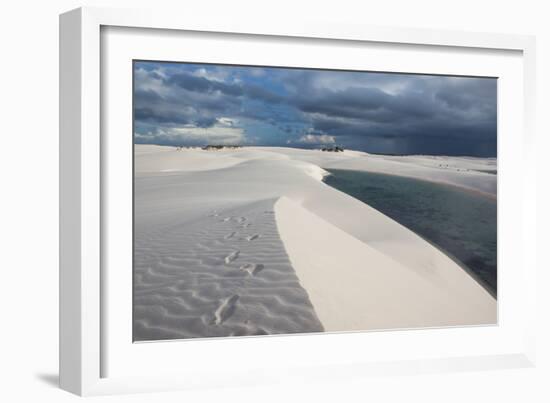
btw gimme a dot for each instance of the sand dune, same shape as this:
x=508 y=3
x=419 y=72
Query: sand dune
x=380 y=292
x=472 y=173
x=251 y=241
x=196 y=281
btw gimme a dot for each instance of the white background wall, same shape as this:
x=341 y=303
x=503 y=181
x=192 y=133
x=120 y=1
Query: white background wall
x=29 y=186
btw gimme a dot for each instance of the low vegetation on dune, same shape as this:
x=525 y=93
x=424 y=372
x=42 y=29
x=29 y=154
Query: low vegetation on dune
x=334 y=149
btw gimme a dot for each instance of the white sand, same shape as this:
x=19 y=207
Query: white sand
x=354 y=286
x=224 y=274
x=467 y=172
x=209 y=262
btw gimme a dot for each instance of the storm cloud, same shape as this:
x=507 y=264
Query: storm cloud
x=196 y=104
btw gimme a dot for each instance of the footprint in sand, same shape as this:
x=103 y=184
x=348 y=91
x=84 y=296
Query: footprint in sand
x=252 y=237
x=232 y=256
x=226 y=309
x=251 y=268
x=229 y=236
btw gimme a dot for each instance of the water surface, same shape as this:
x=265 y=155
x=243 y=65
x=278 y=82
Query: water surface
x=462 y=224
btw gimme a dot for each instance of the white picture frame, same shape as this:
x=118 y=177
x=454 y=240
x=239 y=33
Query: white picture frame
x=83 y=178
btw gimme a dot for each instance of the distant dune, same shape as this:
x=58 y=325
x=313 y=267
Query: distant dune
x=251 y=241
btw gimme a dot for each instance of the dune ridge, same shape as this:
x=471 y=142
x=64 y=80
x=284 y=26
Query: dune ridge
x=354 y=286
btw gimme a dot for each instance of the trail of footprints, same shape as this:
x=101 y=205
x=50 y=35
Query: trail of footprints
x=227 y=306
x=233 y=278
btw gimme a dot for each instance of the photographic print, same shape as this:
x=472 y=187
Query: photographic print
x=275 y=200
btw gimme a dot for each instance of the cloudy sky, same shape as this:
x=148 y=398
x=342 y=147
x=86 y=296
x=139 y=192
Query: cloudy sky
x=196 y=104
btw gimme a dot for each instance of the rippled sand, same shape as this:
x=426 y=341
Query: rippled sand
x=226 y=274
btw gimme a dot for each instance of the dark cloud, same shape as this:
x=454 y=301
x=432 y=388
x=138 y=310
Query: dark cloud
x=207 y=121
x=439 y=115
x=196 y=101
x=201 y=84
x=256 y=92
x=147 y=96
x=150 y=115
x=352 y=102
x=379 y=112
x=468 y=95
